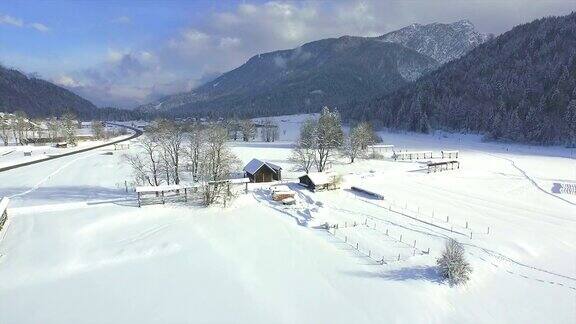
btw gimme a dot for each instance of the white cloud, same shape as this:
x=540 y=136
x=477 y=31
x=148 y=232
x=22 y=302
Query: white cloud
x=226 y=39
x=17 y=22
x=122 y=20
x=67 y=81
x=9 y=20
x=39 y=27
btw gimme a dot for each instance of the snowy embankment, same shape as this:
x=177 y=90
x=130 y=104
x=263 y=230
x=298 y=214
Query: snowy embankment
x=13 y=155
x=78 y=250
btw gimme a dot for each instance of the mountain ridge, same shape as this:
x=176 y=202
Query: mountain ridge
x=317 y=72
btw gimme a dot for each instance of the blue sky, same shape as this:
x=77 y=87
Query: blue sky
x=125 y=53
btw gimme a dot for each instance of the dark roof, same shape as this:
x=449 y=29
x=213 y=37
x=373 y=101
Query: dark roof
x=253 y=166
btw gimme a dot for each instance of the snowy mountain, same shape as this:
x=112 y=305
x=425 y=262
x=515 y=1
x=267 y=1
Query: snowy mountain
x=519 y=86
x=332 y=72
x=442 y=42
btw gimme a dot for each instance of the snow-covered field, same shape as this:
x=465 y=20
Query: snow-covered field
x=77 y=250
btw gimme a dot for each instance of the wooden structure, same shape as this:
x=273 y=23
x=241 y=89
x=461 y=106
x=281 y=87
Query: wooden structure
x=442 y=166
x=28 y=153
x=449 y=154
x=416 y=155
x=4 y=211
x=319 y=181
x=379 y=148
x=260 y=171
x=166 y=191
x=121 y=146
x=367 y=192
x=61 y=145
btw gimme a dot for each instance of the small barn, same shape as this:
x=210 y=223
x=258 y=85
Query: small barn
x=319 y=181
x=260 y=171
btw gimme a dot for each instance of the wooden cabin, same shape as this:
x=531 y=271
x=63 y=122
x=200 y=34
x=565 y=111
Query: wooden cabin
x=260 y=171
x=319 y=181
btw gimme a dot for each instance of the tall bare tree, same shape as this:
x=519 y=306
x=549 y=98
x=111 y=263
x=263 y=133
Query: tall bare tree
x=172 y=136
x=217 y=163
x=247 y=129
x=358 y=140
x=269 y=131
x=69 y=125
x=97 y=129
x=196 y=138
x=328 y=137
x=5 y=128
x=304 y=152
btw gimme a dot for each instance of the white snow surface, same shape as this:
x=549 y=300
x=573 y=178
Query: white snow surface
x=76 y=249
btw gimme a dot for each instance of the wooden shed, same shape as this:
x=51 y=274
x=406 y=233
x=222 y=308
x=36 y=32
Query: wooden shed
x=319 y=181
x=260 y=171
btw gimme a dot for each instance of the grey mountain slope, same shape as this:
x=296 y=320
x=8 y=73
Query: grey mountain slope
x=326 y=72
x=38 y=98
x=442 y=42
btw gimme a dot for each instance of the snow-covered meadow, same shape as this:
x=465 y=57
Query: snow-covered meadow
x=76 y=249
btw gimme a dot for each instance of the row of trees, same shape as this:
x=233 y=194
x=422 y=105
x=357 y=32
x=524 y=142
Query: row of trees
x=247 y=130
x=172 y=151
x=323 y=139
x=21 y=130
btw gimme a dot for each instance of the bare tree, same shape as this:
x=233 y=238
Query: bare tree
x=328 y=137
x=453 y=265
x=5 y=128
x=360 y=137
x=69 y=126
x=269 y=131
x=147 y=165
x=97 y=129
x=196 y=140
x=216 y=165
x=19 y=127
x=247 y=129
x=53 y=126
x=304 y=152
x=171 y=137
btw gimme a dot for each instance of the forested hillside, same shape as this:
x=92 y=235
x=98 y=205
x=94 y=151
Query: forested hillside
x=39 y=98
x=520 y=86
x=329 y=72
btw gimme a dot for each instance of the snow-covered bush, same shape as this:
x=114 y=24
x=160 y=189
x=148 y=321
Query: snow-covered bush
x=453 y=266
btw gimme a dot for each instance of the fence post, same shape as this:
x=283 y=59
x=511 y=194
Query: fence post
x=386 y=232
x=357 y=248
x=414 y=243
x=428 y=251
x=126 y=185
x=447 y=219
x=345 y=238
x=466 y=224
x=488 y=230
x=398 y=256
x=369 y=253
x=400 y=237
x=470 y=234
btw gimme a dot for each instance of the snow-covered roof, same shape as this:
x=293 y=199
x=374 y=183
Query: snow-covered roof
x=381 y=146
x=321 y=178
x=449 y=151
x=255 y=165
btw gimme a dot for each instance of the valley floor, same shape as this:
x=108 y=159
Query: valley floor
x=77 y=249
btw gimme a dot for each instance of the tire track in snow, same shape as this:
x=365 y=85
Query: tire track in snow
x=48 y=177
x=527 y=177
